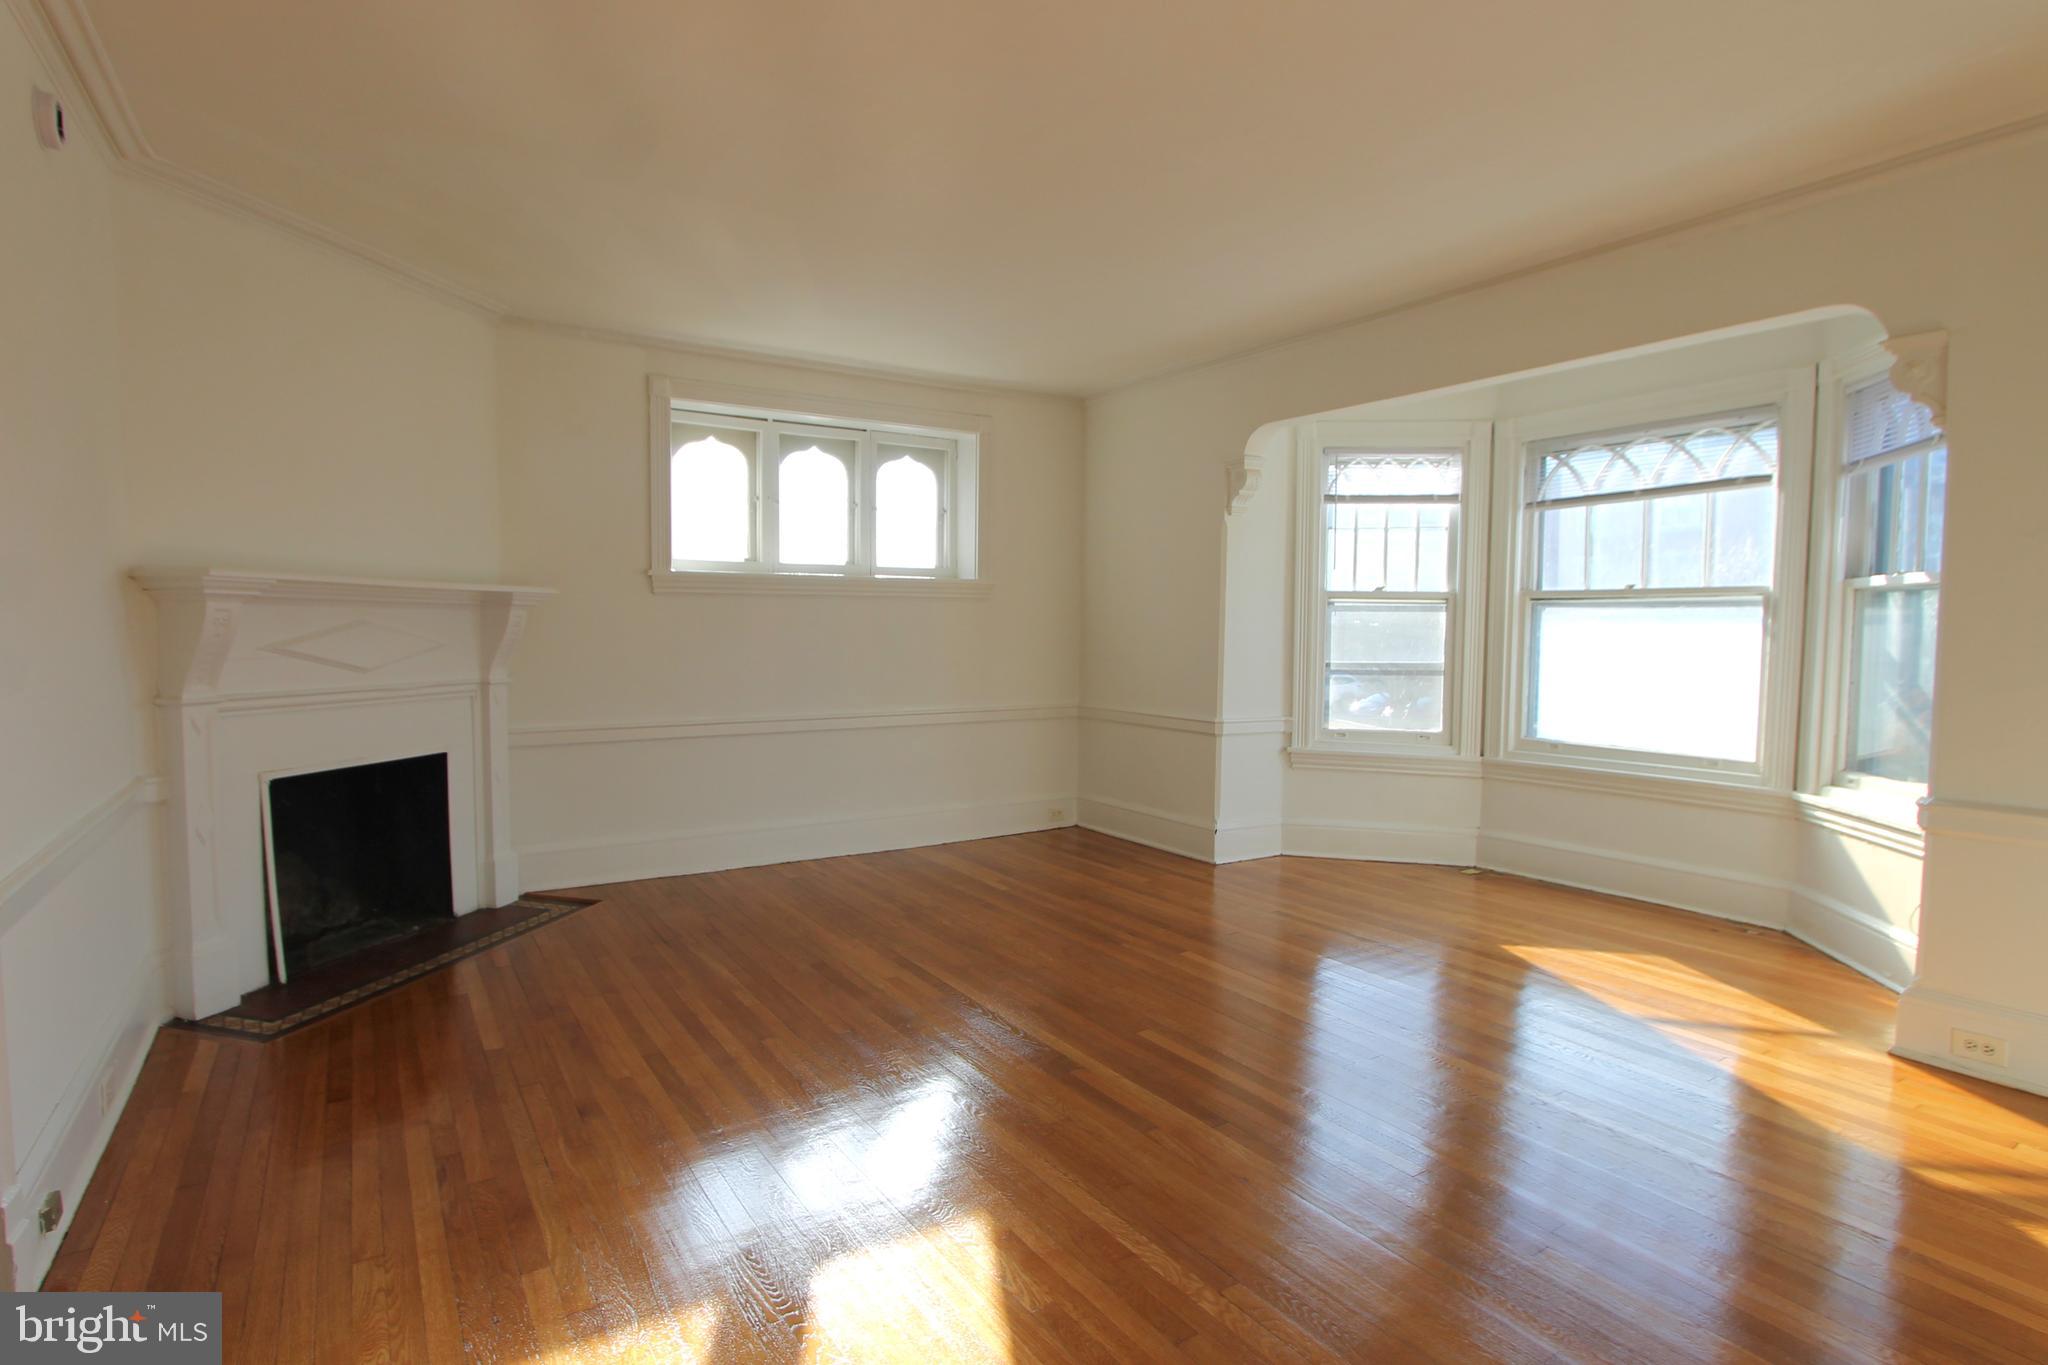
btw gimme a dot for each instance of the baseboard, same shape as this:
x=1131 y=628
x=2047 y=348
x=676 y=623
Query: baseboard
x=1660 y=881
x=551 y=867
x=77 y=1134
x=1249 y=843
x=1927 y=1022
x=1855 y=938
x=1446 y=846
x=1163 y=830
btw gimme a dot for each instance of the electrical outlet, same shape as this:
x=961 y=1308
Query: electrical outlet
x=51 y=1213
x=1977 y=1047
x=1056 y=813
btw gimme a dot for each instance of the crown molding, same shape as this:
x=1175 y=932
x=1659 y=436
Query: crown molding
x=78 y=43
x=681 y=344
x=223 y=197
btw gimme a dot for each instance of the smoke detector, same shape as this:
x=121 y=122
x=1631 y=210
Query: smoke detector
x=49 y=113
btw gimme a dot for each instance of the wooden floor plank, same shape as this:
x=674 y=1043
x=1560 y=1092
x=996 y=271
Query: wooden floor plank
x=1058 y=1097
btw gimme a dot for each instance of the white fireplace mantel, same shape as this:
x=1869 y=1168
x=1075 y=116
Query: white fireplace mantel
x=265 y=674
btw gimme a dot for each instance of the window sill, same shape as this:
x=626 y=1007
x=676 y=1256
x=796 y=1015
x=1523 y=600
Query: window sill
x=1885 y=821
x=1421 y=761
x=1747 y=794
x=813 y=585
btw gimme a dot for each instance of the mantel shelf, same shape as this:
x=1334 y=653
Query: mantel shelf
x=248 y=583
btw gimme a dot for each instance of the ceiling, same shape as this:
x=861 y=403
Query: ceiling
x=1065 y=195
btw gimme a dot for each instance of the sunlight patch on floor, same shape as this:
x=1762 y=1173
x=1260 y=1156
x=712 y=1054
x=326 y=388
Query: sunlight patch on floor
x=1771 y=1049
x=935 y=1295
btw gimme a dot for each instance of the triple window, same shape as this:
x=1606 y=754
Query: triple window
x=766 y=493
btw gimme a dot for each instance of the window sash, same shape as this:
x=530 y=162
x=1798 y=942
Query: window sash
x=1770 y=411
x=1857 y=593
x=1449 y=598
x=938 y=458
x=1871 y=523
x=1528 y=739
x=680 y=424
x=1334 y=667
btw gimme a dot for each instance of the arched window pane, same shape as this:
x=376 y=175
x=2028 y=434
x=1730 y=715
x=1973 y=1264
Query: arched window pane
x=906 y=515
x=710 y=500
x=813 y=526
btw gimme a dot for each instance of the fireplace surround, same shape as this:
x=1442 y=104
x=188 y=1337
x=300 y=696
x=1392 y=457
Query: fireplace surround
x=264 y=675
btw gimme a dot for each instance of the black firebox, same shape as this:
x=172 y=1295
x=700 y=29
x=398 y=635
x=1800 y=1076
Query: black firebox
x=360 y=857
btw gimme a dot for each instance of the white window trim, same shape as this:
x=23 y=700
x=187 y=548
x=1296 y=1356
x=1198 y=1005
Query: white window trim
x=1792 y=393
x=1464 y=631
x=1823 y=759
x=961 y=438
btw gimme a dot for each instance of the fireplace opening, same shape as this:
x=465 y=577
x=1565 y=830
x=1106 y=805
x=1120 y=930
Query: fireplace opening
x=359 y=856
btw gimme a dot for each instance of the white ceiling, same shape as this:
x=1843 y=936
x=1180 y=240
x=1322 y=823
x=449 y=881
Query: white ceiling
x=1066 y=194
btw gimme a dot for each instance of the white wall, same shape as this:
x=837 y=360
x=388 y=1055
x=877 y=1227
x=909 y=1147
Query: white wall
x=1950 y=243
x=287 y=407
x=767 y=727
x=78 y=932
x=178 y=385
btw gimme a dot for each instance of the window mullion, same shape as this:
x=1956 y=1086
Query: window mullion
x=1707 y=542
x=768 y=497
x=861 y=489
x=1920 y=541
x=1643 y=556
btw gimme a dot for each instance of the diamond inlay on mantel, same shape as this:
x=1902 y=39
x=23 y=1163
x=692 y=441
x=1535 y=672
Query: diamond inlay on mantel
x=359 y=646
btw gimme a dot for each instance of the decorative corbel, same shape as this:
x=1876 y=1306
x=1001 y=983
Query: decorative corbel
x=1241 y=476
x=1920 y=371
x=198 y=614
x=1241 y=480
x=504 y=621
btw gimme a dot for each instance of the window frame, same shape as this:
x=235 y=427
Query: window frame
x=1791 y=393
x=940 y=456
x=1464 y=596
x=1824 y=770
x=950 y=444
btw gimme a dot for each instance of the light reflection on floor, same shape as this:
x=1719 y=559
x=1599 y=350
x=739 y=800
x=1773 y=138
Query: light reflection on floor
x=851 y=1172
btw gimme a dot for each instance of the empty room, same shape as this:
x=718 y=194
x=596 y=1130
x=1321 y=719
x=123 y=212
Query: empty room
x=1070 y=682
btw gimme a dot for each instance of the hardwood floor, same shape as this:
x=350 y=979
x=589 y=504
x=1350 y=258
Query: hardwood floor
x=1058 y=1097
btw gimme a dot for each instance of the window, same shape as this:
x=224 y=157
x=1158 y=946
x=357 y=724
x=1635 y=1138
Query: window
x=1648 y=626
x=1884 y=586
x=757 y=498
x=1391 y=639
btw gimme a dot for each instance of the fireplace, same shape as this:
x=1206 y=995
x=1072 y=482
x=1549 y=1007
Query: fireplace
x=356 y=856
x=264 y=678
